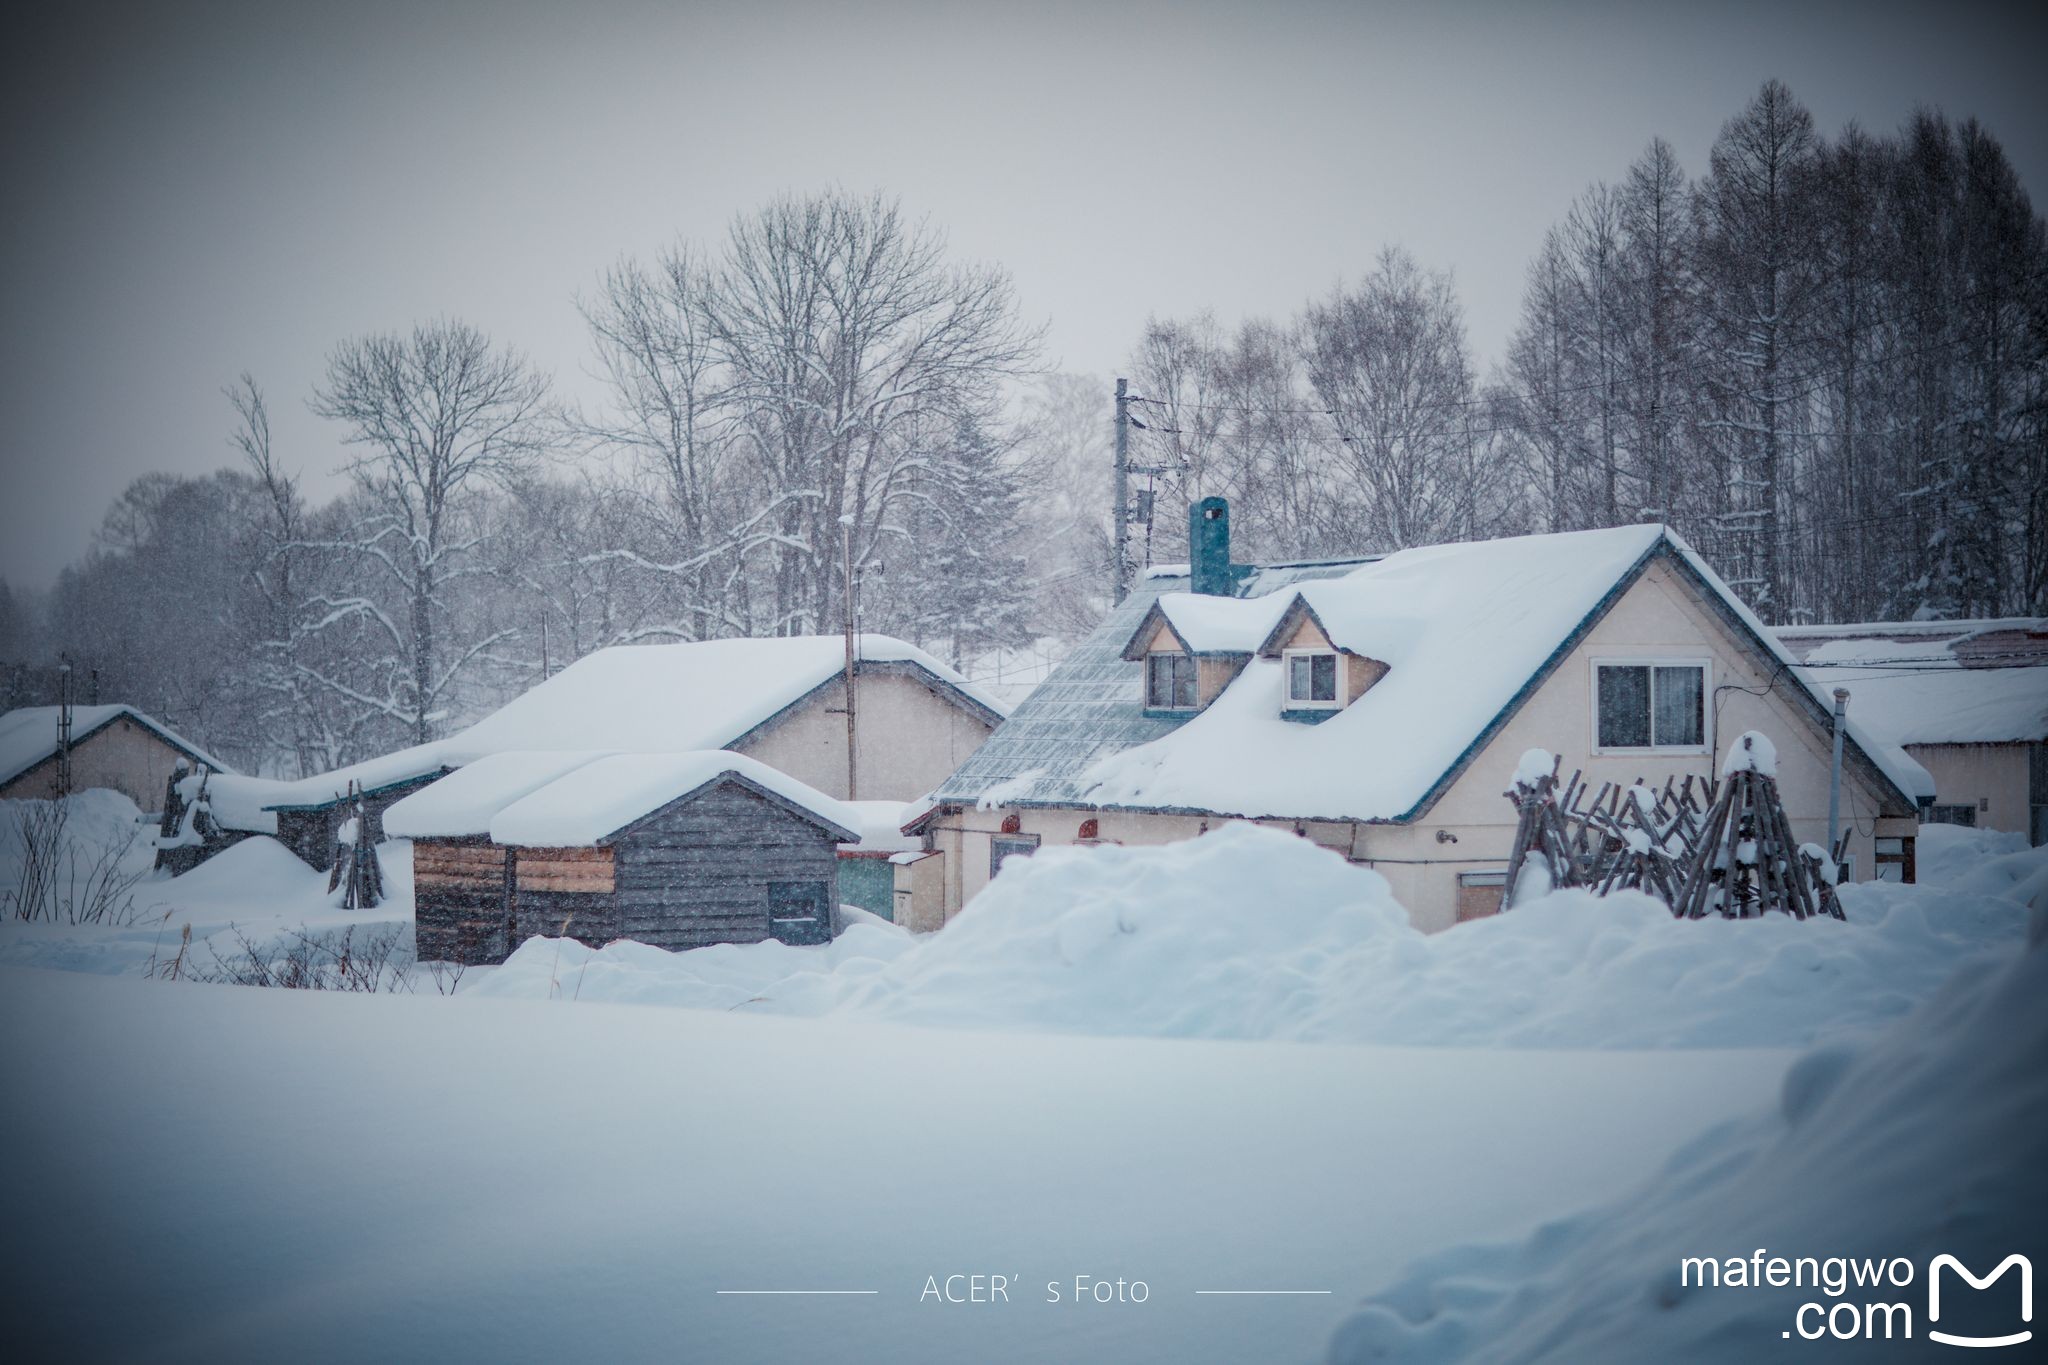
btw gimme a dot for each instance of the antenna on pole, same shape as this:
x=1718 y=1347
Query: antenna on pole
x=846 y=569
x=1120 y=518
x=64 y=729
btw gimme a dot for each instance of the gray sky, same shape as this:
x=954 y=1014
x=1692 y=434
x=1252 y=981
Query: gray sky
x=195 y=190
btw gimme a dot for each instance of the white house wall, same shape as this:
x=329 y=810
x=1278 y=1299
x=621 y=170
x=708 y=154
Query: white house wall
x=911 y=739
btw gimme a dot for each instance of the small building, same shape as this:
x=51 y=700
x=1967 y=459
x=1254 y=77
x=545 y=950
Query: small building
x=1379 y=707
x=117 y=747
x=1967 y=699
x=462 y=882
x=676 y=850
x=781 y=701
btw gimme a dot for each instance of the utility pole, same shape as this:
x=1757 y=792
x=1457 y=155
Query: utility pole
x=64 y=729
x=846 y=568
x=1120 y=516
x=1835 y=773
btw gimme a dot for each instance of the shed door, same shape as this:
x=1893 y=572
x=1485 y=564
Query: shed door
x=797 y=912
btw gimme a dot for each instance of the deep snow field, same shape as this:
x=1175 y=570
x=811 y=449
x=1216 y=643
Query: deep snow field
x=1220 y=1066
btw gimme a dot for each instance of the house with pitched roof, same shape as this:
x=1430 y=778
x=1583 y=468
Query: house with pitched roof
x=1967 y=699
x=118 y=747
x=1380 y=706
x=677 y=850
x=781 y=702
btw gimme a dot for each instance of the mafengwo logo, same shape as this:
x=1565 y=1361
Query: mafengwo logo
x=1882 y=1314
x=1934 y=1270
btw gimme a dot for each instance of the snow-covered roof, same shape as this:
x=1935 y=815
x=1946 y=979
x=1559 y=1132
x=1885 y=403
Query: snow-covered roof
x=463 y=802
x=28 y=735
x=1468 y=630
x=881 y=826
x=707 y=694
x=1208 y=624
x=602 y=797
x=1936 y=682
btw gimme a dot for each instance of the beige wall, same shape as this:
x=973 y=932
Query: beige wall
x=921 y=893
x=911 y=739
x=1991 y=777
x=129 y=758
x=1659 y=618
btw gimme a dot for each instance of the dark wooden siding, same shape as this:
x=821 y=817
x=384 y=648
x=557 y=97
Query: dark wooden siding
x=461 y=900
x=697 y=872
x=311 y=833
x=564 y=893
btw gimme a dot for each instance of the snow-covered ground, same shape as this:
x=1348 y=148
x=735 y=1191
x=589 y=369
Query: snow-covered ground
x=255 y=893
x=1191 y=941
x=247 y=1173
x=1224 y=1065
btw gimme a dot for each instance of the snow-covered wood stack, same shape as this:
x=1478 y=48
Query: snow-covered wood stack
x=1700 y=847
x=356 y=872
x=1744 y=861
x=1542 y=858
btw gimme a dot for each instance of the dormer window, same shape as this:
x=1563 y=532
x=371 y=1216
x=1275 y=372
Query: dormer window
x=1311 y=679
x=1169 y=682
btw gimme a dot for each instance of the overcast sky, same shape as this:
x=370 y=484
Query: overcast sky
x=191 y=191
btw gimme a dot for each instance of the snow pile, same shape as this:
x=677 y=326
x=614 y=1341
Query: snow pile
x=94 y=820
x=255 y=892
x=722 y=977
x=1752 y=752
x=1254 y=934
x=1925 y=1142
x=1536 y=765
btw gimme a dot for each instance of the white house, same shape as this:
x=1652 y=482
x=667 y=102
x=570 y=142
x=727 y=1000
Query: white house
x=1379 y=706
x=1967 y=699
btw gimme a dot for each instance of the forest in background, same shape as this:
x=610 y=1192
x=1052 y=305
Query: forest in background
x=1824 y=361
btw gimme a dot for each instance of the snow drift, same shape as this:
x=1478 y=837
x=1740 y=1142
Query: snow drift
x=1925 y=1142
x=1249 y=933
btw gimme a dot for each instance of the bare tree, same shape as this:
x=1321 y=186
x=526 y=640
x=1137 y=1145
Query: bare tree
x=848 y=334
x=1387 y=359
x=440 y=412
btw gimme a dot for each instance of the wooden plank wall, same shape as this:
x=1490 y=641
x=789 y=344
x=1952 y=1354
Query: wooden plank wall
x=460 y=900
x=697 y=873
x=564 y=893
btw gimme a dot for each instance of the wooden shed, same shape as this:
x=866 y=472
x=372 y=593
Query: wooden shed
x=674 y=850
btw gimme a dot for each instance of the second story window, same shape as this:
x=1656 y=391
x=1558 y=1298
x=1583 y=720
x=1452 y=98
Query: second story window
x=1311 y=678
x=1169 y=682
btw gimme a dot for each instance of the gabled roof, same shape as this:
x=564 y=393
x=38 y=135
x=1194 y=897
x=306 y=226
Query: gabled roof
x=1936 y=682
x=463 y=803
x=598 y=800
x=1205 y=624
x=708 y=694
x=28 y=735
x=703 y=695
x=1469 y=632
x=1089 y=707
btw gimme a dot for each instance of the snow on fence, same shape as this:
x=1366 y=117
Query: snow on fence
x=1701 y=846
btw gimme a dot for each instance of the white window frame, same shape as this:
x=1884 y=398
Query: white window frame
x=1194 y=668
x=1704 y=663
x=1289 y=701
